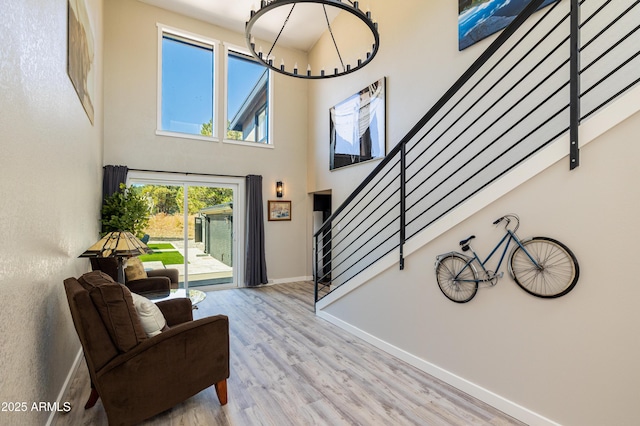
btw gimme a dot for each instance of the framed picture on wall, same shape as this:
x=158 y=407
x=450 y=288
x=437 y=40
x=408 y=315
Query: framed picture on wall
x=480 y=19
x=279 y=210
x=80 y=54
x=357 y=127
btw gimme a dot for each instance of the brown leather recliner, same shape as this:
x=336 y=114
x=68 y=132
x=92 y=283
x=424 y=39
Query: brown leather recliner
x=137 y=376
x=154 y=283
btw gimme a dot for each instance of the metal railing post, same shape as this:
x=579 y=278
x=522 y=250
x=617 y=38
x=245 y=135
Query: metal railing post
x=574 y=70
x=403 y=203
x=316 y=269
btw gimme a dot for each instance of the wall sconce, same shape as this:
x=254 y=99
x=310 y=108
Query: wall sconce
x=279 y=189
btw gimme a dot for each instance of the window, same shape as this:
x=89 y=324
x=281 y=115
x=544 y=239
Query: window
x=247 y=99
x=194 y=227
x=188 y=75
x=186 y=84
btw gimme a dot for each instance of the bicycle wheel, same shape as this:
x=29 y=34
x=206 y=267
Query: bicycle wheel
x=458 y=284
x=558 y=272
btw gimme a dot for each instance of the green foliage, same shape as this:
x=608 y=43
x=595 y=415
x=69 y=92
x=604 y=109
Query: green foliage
x=163 y=198
x=161 y=246
x=166 y=257
x=200 y=197
x=234 y=135
x=206 y=129
x=169 y=199
x=126 y=210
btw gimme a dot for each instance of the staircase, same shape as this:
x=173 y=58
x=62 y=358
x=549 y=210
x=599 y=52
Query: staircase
x=550 y=83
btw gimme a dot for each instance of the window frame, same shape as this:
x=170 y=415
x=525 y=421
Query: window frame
x=227 y=48
x=197 y=39
x=259 y=136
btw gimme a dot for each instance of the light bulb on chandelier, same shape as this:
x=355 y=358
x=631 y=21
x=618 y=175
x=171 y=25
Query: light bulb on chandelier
x=352 y=7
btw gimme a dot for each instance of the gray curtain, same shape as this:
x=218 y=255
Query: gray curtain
x=112 y=177
x=256 y=268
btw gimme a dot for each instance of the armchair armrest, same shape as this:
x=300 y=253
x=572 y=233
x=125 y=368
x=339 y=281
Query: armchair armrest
x=171 y=273
x=150 y=285
x=176 y=311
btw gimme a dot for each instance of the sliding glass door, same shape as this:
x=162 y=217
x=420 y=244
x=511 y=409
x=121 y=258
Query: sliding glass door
x=194 y=227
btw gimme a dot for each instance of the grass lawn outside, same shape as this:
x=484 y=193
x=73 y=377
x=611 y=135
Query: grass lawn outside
x=161 y=246
x=166 y=257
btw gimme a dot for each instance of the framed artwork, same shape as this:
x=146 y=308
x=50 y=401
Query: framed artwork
x=279 y=210
x=80 y=54
x=478 y=19
x=357 y=127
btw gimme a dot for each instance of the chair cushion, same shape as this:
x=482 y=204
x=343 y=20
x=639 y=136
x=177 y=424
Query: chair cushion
x=134 y=269
x=114 y=303
x=150 y=315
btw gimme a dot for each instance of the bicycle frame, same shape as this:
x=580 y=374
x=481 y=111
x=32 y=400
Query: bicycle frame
x=508 y=236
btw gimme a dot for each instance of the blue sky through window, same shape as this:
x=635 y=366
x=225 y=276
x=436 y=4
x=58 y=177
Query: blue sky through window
x=243 y=74
x=187 y=86
x=188 y=72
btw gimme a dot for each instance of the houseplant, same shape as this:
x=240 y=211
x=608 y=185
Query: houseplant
x=126 y=210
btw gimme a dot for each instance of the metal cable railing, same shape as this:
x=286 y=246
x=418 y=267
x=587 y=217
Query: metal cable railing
x=521 y=95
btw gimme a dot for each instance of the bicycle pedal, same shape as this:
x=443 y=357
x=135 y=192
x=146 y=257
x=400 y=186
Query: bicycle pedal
x=500 y=275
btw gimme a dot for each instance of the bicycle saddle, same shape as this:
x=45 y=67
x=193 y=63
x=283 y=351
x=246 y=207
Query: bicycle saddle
x=465 y=242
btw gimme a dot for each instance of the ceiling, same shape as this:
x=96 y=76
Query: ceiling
x=302 y=31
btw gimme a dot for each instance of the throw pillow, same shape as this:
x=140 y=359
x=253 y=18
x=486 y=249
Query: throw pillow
x=150 y=315
x=115 y=306
x=134 y=269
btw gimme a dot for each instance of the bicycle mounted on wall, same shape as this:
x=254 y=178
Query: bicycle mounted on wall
x=541 y=266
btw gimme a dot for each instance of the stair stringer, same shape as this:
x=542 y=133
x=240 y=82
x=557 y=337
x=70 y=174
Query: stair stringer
x=610 y=116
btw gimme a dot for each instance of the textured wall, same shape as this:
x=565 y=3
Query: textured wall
x=50 y=168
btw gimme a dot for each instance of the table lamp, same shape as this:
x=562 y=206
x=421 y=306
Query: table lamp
x=118 y=244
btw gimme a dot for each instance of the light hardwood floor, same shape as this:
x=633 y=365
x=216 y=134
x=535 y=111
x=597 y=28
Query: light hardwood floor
x=289 y=367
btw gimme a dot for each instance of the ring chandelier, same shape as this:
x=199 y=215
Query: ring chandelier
x=349 y=6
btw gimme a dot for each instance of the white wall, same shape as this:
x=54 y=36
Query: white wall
x=51 y=174
x=130 y=124
x=569 y=360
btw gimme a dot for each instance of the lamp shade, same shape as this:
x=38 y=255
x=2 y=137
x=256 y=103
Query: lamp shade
x=117 y=244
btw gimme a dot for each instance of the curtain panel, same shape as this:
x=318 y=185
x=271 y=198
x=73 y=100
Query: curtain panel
x=256 y=266
x=112 y=177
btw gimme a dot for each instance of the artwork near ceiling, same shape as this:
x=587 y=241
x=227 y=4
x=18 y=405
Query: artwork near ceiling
x=357 y=127
x=80 y=54
x=478 y=19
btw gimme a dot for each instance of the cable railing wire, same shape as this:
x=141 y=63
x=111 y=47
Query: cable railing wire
x=509 y=105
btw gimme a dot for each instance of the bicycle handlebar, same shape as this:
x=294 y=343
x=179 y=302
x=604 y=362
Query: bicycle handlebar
x=508 y=218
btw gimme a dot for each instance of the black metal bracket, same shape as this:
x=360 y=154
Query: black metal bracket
x=574 y=70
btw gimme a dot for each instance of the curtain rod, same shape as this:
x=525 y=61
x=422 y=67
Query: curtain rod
x=186 y=173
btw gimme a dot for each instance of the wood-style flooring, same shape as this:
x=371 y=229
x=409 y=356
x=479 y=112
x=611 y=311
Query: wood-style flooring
x=289 y=367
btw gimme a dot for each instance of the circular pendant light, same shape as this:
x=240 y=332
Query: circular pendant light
x=365 y=56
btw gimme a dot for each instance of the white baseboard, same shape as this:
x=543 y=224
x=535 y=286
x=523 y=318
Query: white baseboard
x=506 y=406
x=289 y=280
x=65 y=387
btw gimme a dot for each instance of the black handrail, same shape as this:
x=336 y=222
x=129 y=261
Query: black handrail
x=467 y=148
